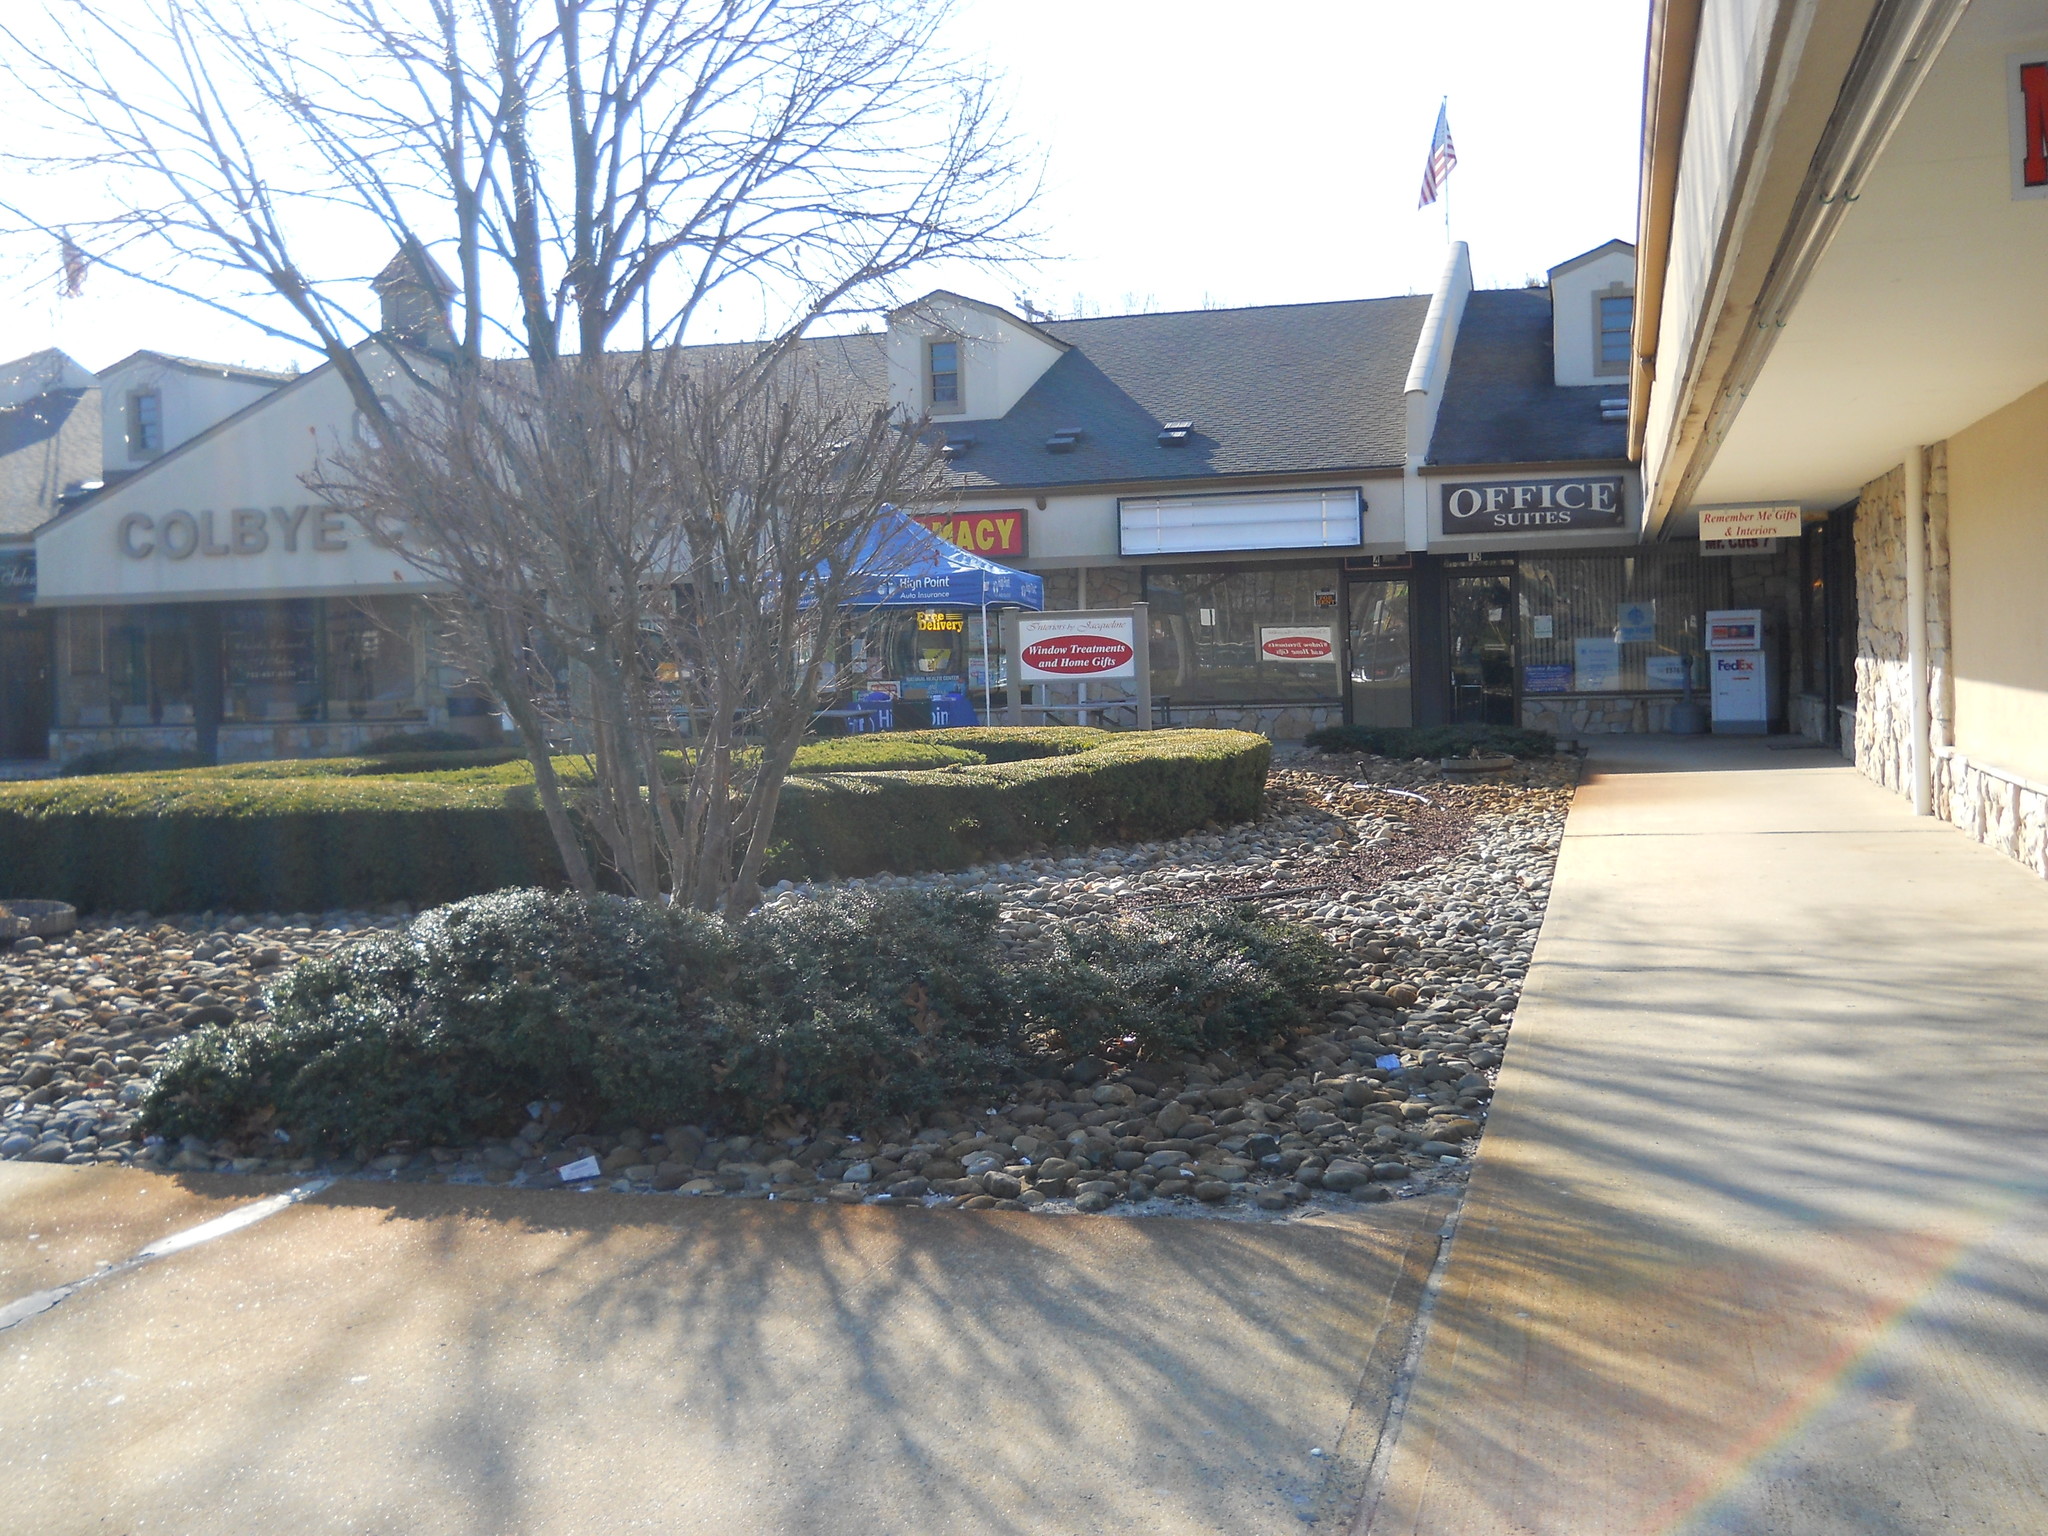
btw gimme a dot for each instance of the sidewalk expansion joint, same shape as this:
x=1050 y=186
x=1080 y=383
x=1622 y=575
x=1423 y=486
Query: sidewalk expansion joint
x=1404 y=1380
x=38 y=1302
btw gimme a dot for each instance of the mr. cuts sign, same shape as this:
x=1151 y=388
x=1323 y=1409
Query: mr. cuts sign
x=1533 y=506
x=1067 y=650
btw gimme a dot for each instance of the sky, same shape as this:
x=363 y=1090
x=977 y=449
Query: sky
x=1202 y=154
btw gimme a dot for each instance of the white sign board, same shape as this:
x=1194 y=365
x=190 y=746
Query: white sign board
x=1076 y=650
x=1596 y=664
x=1315 y=644
x=1720 y=524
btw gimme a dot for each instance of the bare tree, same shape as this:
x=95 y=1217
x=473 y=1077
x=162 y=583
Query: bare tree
x=594 y=173
x=661 y=535
x=593 y=170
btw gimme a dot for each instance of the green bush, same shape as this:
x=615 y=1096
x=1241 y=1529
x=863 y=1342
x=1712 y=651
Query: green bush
x=173 y=842
x=1015 y=743
x=879 y=754
x=409 y=742
x=1201 y=979
x=131 y=760
x=349 y=831
x=840 y=1011
x=1433 y=740
x=1140 y=784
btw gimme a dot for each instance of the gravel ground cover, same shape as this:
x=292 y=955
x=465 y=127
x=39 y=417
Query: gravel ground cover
x=1432 y=889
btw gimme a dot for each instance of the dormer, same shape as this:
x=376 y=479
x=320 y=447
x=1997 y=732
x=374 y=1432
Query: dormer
x=1592 y=306
x=957 y=359
x=413 y=295
x=151 y=402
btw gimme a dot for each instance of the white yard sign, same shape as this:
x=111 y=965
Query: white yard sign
x=1068 y=650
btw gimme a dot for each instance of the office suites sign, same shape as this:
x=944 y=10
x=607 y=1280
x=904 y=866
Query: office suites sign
x=1533 y=506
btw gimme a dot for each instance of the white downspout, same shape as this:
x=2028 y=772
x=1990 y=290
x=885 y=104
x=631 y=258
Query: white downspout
x=1424 y=391
x=1921 y=765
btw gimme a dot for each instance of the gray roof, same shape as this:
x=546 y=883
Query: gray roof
x=1500 y=405
x=46 y=443
x=1281 y=389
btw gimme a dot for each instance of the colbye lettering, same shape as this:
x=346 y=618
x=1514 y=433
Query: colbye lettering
x=248 y=530
x=1532 y=505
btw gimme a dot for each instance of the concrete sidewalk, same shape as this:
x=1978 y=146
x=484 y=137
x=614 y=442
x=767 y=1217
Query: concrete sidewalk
x=438 y=1360
x=1756 y=1240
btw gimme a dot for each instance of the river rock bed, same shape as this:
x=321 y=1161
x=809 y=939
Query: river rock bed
x=1432 y=889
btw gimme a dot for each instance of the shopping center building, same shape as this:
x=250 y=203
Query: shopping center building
x=1418 y=509
x=1843 y=315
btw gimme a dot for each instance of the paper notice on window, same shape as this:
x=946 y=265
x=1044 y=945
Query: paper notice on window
x=1596 y=665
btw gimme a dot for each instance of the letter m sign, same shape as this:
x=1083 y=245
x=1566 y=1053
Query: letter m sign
x=2027 y=77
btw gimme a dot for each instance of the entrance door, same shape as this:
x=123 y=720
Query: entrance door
x=25 y=686
x=1381 y=687
x=1481 y=625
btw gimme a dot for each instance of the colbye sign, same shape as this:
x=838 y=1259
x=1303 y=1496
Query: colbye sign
x=243 y=531
x=17 y=575
x=1533 y=506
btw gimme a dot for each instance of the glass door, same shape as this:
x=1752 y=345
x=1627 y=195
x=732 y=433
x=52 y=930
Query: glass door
x=1481 y=614
x=1381 y=692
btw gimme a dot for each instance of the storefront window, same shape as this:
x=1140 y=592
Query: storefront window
x=1381 y=655
x=1601 y=623
x=1268 y=635
x=128 y=666
x=270 y=660
x=374 y=659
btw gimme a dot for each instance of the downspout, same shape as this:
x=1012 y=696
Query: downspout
x=1424 y=391
x=1921 y=764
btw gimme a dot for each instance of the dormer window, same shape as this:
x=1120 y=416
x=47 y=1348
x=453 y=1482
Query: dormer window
x=1616 y=314
x=145 y=424
x=942 y=378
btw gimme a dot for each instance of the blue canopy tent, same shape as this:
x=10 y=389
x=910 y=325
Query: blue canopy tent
x=909 y=566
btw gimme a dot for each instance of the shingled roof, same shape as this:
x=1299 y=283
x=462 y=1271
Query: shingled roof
x=1500 y=405
x=1280 y=389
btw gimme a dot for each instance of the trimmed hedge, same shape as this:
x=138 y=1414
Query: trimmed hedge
x=1432 y=740
x=880 y=754
x=1140 y=784
x=131 y=760
x=350 y=832
x=172 y=842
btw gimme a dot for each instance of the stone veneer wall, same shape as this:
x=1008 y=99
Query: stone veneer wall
x=1613 y=714
x=1884 y=713
x=2009 y=813
x=1884 y=678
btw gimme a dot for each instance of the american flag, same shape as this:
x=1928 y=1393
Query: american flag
x=1442 y=156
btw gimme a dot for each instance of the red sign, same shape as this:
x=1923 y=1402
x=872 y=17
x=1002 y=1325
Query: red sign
x=981 y=533
x=2030 y=122
x=1297 y=648
x=1077 y=655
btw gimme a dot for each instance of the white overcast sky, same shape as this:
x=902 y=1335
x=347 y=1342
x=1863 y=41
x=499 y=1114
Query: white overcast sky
x=1209 y=153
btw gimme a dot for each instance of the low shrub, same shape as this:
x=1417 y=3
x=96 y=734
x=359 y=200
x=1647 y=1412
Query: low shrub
x=131 y=760
x=174 y=842
x=1132 y=785
x=336 y=832
x=839 y=1011
x=1016 y=743
x=1433 y=740
x=879 y=754
x=408 y=742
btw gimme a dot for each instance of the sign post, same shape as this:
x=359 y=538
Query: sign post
x=1081 y=646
